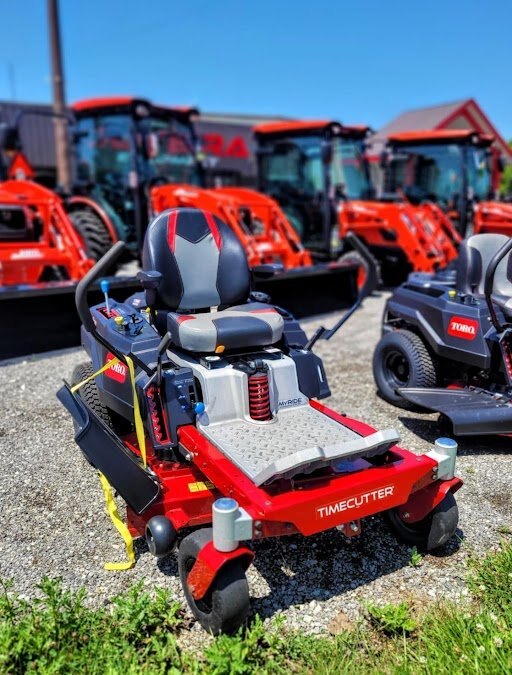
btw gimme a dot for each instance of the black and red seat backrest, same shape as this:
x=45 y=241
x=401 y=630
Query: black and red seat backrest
x=201 y=261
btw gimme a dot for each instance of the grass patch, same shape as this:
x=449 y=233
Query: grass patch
x=140 y=632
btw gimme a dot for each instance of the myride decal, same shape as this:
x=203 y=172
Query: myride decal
x=355 y=502
x=462 y=327
x=116 y=372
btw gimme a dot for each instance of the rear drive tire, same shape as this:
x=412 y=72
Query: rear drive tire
x=93 y=231
x=89 y=393
x=433 y=531
x=91 y=397
x=226 y=605
x=401 y=359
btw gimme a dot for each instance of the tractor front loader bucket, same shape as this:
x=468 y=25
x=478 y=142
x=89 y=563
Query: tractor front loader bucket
x=42 y=317
x=313 y=289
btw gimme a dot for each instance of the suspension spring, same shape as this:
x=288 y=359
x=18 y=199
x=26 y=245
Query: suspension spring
x=259 y=397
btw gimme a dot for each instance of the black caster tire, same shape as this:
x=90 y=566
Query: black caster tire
x=226 y=605
x=433 y=531
x=401 y=359
x=161 y=536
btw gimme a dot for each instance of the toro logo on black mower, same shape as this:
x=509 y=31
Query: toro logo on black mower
x=462 y=327
x=116 y=372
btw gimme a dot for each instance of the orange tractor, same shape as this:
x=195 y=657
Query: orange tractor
x=38 y=243
x=456 y=169
x=135 y=159
x=318 y=172
x=48 y=243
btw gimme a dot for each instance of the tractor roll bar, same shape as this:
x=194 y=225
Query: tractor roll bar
x=489 y=281
x=100 y=269
x=369 y=286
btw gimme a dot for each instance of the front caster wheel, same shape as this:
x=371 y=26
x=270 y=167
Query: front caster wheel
x=225 y=606
x=433 y=531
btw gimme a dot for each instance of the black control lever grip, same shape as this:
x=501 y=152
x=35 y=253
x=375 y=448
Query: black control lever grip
x=100 y=269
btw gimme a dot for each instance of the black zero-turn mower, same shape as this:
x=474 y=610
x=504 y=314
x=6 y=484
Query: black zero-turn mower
x=225 y=434
x=447 y=340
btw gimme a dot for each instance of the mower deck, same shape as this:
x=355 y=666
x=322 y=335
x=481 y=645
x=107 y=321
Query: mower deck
x=472 y=411
x=298 y=440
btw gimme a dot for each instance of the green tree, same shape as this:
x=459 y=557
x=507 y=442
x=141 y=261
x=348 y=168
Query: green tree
x=506 y=178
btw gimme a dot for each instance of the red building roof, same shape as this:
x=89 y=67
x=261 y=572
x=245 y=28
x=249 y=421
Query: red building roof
x=459 y=115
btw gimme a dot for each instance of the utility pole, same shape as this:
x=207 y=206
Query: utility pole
x=62 y=149
x=12 y=80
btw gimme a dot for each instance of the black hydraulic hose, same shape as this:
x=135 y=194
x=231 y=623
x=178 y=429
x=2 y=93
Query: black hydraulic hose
x=489 y=281
x=100 y=269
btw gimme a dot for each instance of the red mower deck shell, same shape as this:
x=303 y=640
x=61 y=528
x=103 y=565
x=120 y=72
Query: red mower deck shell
x=307 y=505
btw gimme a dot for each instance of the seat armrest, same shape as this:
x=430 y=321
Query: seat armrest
x=267 y=271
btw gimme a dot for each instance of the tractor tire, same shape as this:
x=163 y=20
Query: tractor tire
x=93 y=232
x=225 y=606
x=433 y=531
x=401 y=359
x=363 y=267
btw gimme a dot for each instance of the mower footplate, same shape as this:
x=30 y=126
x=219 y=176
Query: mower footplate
x=472 y=411
x=298 y=440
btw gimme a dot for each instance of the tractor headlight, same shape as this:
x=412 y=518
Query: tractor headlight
x=335 y=241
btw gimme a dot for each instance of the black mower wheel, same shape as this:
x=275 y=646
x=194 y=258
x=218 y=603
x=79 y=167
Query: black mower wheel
x=93 y=231
x=433 y=531
x=401 y=359
x=226 y=605
x=89 y=393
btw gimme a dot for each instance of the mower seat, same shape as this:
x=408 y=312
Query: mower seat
x=203 y=266
x=475 y=255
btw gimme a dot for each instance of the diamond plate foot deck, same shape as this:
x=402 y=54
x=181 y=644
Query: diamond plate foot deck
x=300 y=440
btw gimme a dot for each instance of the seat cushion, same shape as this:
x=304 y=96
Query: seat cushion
x=251 y=325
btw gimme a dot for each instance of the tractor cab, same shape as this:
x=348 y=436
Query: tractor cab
x=318 y=171
x=452 y=168
x=124 y=146
x=308 y=167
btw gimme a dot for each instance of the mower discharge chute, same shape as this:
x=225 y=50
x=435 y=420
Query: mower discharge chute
x=447 y=340
x=453 y=168
x=232 y=442
x=318 y=173
x=143 y=158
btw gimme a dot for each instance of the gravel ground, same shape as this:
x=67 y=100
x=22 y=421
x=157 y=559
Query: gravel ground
x=53 y=521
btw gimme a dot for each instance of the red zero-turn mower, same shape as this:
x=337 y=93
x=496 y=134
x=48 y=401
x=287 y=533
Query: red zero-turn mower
x=447 y=343
x=237 y=446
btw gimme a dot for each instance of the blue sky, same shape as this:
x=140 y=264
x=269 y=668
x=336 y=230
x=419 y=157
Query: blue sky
x=355 y=61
